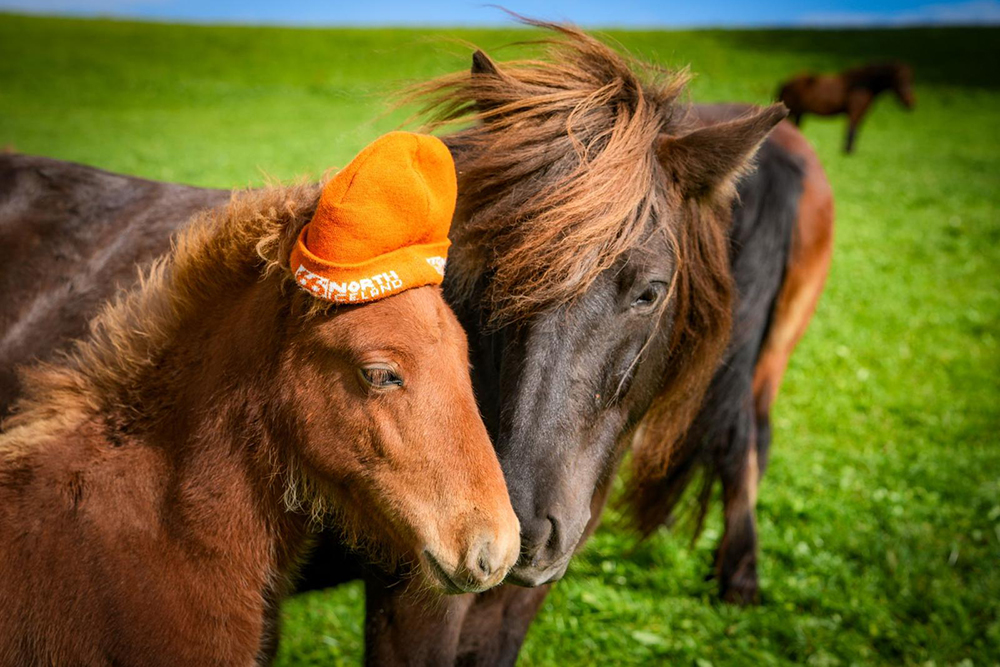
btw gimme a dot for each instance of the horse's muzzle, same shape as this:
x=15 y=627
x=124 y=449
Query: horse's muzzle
x=484 y=565
x=530 y=576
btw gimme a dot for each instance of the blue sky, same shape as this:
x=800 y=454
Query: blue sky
x=589 y=13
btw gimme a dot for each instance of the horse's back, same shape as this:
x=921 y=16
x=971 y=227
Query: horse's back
x=806 y=267
x=70 y=237
x=820 y=94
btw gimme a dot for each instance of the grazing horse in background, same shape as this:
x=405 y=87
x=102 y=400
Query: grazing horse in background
x=620 y=349
x=158 y=483
x=851 y=92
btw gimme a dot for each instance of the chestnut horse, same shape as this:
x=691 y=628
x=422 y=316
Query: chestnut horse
x=851 y=92
x=586 y=367
x=158 y=482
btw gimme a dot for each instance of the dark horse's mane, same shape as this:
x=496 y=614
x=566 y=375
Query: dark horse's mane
x=559 y=177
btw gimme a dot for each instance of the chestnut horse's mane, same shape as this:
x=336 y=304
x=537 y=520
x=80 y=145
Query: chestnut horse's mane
x=218 y=250
x=558 y=178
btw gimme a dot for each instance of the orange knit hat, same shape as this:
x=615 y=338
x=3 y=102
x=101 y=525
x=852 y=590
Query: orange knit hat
x=382 y=223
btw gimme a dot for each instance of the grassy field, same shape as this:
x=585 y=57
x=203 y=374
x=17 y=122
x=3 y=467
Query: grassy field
x=880 y=514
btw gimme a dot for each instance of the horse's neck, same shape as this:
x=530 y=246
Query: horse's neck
x=181 y=516
x=216 y=396
x=201 y=411
x=224 y=497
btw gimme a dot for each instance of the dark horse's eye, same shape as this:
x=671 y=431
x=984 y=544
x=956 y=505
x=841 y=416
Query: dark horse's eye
x=379 y=376
x=650 y=296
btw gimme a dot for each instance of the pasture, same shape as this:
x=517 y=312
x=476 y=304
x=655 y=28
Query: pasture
x=880 y=512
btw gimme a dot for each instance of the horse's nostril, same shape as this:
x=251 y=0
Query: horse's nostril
x=540 y=538
x=552 y=544
x=485 y=568
x=481 y=561
x=550 y=538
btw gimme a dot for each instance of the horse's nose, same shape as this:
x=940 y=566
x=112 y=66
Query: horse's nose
x=482 y=562
x=540 y=538
x=549 y=540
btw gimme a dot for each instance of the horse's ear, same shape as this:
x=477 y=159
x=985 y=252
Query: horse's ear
x=707 y=159
x=482 y=65
x=484 y=71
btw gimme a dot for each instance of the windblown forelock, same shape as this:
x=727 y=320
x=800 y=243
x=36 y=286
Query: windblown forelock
x=557 y=176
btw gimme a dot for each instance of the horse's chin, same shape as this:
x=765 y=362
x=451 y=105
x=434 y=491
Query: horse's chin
x=445 y=579
x=530 y=576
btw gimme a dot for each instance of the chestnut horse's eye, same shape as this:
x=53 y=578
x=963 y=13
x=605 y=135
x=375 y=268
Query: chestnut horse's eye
x=650 y=296
x=380 y=376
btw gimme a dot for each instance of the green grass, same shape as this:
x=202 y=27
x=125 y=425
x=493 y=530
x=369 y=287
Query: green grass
x=880 y=514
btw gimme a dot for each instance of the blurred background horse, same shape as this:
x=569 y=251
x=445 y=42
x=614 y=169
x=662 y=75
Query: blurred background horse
x=851 y=92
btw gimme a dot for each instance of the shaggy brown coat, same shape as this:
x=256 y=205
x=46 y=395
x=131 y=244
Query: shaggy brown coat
x=158 y=483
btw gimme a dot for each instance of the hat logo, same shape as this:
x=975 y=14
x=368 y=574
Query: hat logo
x=364 y=289
x=437 y=263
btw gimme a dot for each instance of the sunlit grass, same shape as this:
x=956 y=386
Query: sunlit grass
x=880 y=514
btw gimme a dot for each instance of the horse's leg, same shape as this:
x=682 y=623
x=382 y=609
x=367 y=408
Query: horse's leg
x=852 y=128
x=271 y=633
x=857 y=105
x=404 y=626
x=496 y=625
x=797 y=118
x=736 y=562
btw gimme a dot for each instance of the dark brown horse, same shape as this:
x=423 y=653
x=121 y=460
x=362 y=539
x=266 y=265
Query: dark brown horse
x=533 y=392
x=158 y=483
x=544 y=381
x=851 y=92
x=577 y=165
